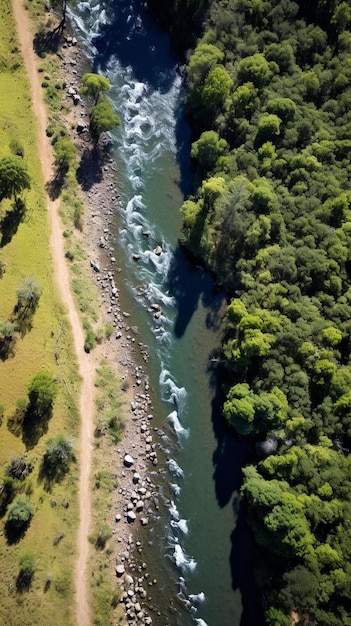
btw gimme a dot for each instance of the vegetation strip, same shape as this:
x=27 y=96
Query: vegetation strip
x=268 y=99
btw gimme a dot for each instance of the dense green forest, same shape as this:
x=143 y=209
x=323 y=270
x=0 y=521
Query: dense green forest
x=269 y=100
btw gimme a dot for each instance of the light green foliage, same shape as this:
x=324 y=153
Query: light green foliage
x=248 y=412
x=20 y=513
x=268 y=128
x=42 y=392
x=254 y=69
x=103 y=118
x=94 y=85
x=64 y=152
x=216 y=88
x=204 y=59
x=244 y=100
x=284 y=108
x=208 y=148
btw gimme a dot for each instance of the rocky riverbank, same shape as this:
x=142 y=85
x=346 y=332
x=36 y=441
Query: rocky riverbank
x=133 y=499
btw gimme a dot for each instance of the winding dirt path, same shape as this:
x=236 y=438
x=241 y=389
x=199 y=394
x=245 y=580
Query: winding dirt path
x=85 y=362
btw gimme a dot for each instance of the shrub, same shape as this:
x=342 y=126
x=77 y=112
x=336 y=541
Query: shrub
x=20 y=513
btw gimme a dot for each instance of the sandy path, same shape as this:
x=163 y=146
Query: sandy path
x=85 y=361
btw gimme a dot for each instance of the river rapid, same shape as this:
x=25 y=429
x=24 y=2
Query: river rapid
x=197 y=545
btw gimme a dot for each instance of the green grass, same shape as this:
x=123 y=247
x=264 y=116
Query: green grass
x=28 y=255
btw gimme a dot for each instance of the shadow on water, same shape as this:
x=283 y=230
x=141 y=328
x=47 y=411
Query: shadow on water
x=189 y=284
x=229 y=457
x=133 y=37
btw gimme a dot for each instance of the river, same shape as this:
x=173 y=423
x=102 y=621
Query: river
x=197 y=547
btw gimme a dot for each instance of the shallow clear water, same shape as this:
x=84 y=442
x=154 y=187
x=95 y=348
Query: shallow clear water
x=197 y=546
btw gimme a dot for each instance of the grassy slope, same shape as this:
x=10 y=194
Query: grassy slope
x=26 y=255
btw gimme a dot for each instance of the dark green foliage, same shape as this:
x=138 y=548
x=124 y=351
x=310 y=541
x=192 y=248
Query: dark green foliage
x=57 y=459
x=14 y=177
x=272 y=220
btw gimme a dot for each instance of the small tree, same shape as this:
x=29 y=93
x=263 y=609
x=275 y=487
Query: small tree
x=42 y=393
x=59 y=452
x=64 y=153
x=14 y=177
x=8 y=331
x=103 y=118
x=20 y=513
x=27 y=568
x=94 y=85
x=28 y=294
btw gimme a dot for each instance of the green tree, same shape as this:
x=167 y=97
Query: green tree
x=204 y=59
x=268 y=128
x=103 y=118
x=59 y=451
x=28 y=294
x=244 y=101
x=26 y=572
x=42 y=392
x=94 y=85
x=14 y=177
x=208 y=148
x=20 y=513
x=255 y=69
x=216 y=89
x=64 y=152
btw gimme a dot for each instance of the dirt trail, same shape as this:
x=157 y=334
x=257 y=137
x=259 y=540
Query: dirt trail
x=86 y=362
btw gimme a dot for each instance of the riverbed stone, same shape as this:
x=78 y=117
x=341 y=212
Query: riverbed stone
x=120 y=570
x=128 y=460
x=131 y=517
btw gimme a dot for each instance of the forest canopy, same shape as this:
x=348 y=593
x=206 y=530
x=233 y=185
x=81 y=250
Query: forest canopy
x=269 y=100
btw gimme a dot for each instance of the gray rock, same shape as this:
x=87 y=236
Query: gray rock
x=120 y=570
x=131 y=517
x=128 y=460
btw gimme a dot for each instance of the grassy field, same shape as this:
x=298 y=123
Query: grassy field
x=24 y=251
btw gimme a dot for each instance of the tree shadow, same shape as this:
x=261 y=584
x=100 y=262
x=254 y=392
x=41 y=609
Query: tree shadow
x=24 y=581
x=55 y=185
x=7 y=348
x=48 y=40
x=188 y=285
x=230 y=456
x=11 y=221
x=34 y=426
x=51 y=473
x=14 y=534
x=22 y=317
x=242 y=568
x=90 y=170
x=15 y=421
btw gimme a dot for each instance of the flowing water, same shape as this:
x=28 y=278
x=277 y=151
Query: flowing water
x=197 y=546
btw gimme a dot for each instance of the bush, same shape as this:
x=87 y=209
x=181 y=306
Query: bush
x=42 y=393
x=20 y=514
